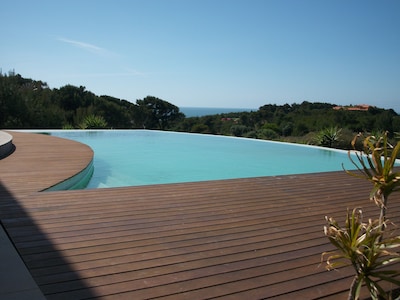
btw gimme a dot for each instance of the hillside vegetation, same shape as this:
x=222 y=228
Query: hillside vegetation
x=31 y=104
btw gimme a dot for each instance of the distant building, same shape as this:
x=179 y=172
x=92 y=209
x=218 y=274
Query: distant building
x=360 y=107
x=235 y=120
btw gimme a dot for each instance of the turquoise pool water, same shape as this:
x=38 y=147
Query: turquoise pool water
x=143 y=157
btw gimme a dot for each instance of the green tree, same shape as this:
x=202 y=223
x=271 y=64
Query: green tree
x=157 y=113
x=13 y=108
x=70 y=97
x=114 y=111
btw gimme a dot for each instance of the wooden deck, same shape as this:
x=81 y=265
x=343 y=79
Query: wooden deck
x=257 y=238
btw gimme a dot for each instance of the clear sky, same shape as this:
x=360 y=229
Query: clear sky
x=210 y=53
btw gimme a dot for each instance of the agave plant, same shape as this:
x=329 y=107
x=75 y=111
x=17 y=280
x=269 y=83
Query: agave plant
x=362 y=246
x=328 y=137
x=93 y=122
x=376 y=162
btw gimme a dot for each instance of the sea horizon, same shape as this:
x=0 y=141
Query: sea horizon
x=206 y=111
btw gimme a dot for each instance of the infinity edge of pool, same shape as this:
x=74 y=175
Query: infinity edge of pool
x=82 y=179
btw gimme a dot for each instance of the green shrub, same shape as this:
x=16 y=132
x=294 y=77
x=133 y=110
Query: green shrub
x=329 y=137
x=268 y=134
x=93 y=122
x=239 y=130
x=200 y=128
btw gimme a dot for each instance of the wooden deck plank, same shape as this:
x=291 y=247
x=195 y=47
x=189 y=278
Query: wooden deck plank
x=248 y=238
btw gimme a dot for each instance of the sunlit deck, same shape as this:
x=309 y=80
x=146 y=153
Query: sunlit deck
x=231 y=239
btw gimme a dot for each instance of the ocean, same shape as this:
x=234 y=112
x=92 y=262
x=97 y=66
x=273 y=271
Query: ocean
x=205 y=111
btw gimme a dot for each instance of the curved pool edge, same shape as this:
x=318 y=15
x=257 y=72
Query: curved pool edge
x=6 y=144
x=36 y=162
x=78 y=181
x=42 y=162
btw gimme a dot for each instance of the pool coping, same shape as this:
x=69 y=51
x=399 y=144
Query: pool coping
x=6 y=144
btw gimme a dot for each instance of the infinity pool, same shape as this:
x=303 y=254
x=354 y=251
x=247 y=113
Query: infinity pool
x=143 y=157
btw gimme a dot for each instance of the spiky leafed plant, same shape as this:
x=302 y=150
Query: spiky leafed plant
x=361 y=246
x=328 y=137
x=369 y=247
x=93 y=122
x=68 y=127
x=376 y=162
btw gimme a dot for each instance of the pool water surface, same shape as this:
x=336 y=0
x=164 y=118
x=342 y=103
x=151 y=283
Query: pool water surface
x=143 y=157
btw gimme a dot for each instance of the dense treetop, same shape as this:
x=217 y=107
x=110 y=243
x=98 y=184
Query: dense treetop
x=30 y=104
x=26 y=103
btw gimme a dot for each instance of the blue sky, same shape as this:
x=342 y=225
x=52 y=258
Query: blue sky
x=210 y=53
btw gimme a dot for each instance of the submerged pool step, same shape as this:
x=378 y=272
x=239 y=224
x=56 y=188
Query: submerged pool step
x=107 y=183
x=79 y=181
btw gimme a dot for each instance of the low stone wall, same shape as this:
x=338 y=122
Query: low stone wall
x=6 y=144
